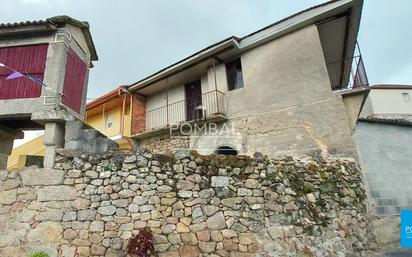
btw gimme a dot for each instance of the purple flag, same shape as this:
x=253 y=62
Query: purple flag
x=14 y=75
x=38 y=80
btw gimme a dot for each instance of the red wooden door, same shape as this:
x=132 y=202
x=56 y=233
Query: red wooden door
x=26 y=59
x=74 y=81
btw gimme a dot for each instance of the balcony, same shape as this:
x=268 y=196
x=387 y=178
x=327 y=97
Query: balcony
x=348 y=73
x=207 y=107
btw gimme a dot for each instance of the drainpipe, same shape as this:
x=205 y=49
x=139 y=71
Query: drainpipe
x=104 y=115
x=214 y=73
x=123 y=96
x=167 y=103
x=124 y=93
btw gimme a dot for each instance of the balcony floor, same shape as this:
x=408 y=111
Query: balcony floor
x=218 y=117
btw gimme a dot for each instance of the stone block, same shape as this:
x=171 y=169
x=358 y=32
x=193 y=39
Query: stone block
x=96 y=226
x=216 y=222
x=91 y=134
x=8 y=197
x=46 y=233
x=67 y=251
x=41 y=177
x=73 y=130
x=57 y=193
x=241 y=254
x=49 y=215
x=219 y=181
x=189 y=251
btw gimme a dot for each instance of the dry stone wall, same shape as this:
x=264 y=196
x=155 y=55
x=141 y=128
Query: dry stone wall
x=195 y=205
x=165 y=144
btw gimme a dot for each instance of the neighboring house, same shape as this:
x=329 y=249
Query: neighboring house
x=384 y=139
x=293 y=87
x=20 y=155
x=110 y=114
x=389 y=101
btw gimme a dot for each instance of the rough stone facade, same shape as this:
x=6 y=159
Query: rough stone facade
x=165 y=144
x=195 y=205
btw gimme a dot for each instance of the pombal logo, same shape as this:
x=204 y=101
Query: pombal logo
x=406 y=228
x=195 y=129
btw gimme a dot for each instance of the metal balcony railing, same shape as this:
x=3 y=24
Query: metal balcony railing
x=348 y=73
x=201 y=107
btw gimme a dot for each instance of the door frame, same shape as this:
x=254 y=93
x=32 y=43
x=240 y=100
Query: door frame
x=195 y=99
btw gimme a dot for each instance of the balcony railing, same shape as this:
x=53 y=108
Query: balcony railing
x=348 y=73
x=202 y=107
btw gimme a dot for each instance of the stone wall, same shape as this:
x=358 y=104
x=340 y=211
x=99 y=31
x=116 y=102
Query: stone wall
x=81 y=137
x=195 y=205
x=165 y=144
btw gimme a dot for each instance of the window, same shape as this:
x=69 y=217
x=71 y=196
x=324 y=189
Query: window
x=234 y=74
x=225 y=150
x=109 y=120
x=406 y=97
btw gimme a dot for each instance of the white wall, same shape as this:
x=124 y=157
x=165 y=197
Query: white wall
x=176 y=111
x=390 y=101
x=177 y=105
x=154 y=113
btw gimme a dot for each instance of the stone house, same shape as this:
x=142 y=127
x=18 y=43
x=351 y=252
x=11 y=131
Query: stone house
x=293 y=87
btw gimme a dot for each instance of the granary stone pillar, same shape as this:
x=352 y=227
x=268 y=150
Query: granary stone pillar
x=53 y=139
x=7 y=137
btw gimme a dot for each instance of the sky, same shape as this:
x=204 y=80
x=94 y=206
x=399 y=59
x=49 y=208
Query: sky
x=136 y=38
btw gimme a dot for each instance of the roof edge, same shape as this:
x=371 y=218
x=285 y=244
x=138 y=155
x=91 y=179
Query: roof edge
x=84 y=25
x=105 y=98
x=57 y=21
x=238 y=41
x=391 y=86
x=389 y=121
x=202 y=53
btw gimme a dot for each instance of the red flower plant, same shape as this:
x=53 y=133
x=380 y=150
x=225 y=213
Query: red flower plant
x=142 y=244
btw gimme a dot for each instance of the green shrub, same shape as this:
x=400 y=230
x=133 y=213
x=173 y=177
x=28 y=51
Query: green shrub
x=39 y=254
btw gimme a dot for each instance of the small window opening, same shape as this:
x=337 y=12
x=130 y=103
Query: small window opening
x=226 y=150
x=109 y=120
x=234 y=74
x=406 y=97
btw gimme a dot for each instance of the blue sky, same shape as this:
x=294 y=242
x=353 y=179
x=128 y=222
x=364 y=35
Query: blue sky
x=136 y=38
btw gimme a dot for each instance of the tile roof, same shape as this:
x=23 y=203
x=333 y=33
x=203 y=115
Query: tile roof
x=391 y=121
x=59 y=21
x=391 y=86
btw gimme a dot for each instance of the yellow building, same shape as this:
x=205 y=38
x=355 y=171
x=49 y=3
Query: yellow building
x=110 y=114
